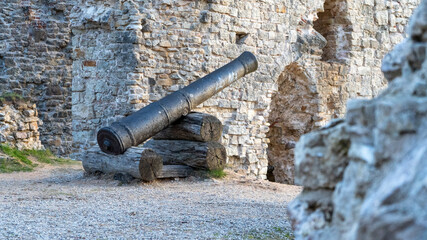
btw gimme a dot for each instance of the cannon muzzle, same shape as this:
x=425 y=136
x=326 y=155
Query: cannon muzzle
x=145 y=123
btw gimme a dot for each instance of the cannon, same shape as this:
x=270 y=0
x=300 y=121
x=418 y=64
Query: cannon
x=148 y=121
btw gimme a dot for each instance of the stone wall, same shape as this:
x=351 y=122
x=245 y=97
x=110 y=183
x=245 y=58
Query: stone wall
x=155 y=47
x=293 y=110
x=365 y=177
x=19 y=124
x=35 y=62
x=358 y=35
x=127 y=54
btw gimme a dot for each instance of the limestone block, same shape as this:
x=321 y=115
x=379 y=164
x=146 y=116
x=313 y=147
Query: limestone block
x=309 y=220
x=29 y=113
x=236 y=130
x=382 y=17
x=349 y=193
x=321 y=157
x=397 y=206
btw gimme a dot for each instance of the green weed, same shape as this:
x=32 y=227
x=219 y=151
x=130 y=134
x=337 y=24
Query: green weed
x=20 y=160
x=8 y=165
x=15 y=153
x=43 y=156
x=217 y=173
x=10 y=96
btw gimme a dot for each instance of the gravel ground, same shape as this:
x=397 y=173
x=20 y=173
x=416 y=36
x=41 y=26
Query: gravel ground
x=63 y=203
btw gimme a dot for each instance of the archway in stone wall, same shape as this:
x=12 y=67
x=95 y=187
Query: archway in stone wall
x=292 y=109
x=301 y=103
x=334 y=25
x=332 y=70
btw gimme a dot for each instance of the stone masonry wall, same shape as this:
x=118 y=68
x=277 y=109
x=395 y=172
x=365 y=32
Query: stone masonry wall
x=365 y=176
x=130 y=53
x=164 y=45
x=35 y=63
x=126 y=54
x=19 y=124
x=358 y=35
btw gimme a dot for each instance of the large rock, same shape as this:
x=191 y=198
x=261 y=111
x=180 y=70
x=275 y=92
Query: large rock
x=366 y=177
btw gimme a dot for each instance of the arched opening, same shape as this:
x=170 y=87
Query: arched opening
x=292 y=114
x=332 y=71
x=333 y=24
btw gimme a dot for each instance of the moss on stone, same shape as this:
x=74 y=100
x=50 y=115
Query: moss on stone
x=11 y=97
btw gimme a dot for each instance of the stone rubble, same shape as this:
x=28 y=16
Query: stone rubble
x=19 y=124
x=365 y=177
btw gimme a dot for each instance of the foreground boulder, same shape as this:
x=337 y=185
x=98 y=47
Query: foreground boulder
x=366 y=177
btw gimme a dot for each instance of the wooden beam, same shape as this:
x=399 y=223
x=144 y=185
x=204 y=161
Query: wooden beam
x=201 y=155
x=193 y=127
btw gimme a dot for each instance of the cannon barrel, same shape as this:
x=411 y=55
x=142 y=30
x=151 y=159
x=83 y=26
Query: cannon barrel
x=148 y=121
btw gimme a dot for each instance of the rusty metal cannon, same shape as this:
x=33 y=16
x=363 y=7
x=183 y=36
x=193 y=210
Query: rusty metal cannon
x=145 y=123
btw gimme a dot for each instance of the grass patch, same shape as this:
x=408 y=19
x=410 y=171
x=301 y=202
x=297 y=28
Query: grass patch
x=217 y=173
x=43 y=156
x=57 y=160
x=10 y=96
x=17 y=160
x=46 y=156
x=8 y=165
x=276 y=233
x=16 y=154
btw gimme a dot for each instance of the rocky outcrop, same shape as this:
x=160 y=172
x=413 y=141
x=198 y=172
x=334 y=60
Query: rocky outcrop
x=19 y=123
x=365 y=177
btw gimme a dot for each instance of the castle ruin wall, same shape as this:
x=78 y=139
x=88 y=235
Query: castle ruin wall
x=88 y=63
x=35 y=62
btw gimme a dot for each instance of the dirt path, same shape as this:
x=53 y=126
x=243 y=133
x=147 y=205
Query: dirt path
x=63 y=203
